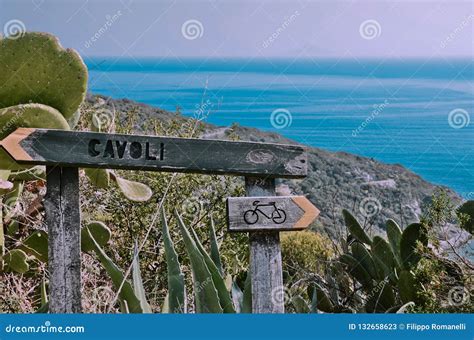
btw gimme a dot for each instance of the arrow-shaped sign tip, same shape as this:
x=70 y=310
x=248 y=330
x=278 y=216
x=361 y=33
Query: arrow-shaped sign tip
x=11 y=144
x=310 y=212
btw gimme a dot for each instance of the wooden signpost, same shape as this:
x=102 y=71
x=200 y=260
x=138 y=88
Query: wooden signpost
x=63 y=152
x=264 y=216
x=131 y=152
x=283 y=213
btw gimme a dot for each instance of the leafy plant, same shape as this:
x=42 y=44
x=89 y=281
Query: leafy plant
x=388 y=273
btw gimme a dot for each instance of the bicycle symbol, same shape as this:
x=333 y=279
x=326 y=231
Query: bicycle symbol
x=251 y=216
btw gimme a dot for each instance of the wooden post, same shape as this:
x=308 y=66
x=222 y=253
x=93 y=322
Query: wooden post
x=64 y=229
x=63 y=152
x=265 y=257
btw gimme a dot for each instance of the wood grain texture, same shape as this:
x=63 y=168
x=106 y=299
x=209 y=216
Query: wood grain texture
x=279 y=213
x=115 y=151
x=265 y=258
x=64 y=252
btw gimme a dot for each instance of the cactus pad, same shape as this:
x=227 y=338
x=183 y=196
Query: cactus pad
x=34 y=68
x=98 y=177
x=362 y=255
x=29 y=116
x=406 y=286
x=355 y=228
x=36 y=245
x=99 y=231
x=16 y=261
x=414 y=233
x=394 y=234
x=382 y=250
x=380 y=300
x=134 y=191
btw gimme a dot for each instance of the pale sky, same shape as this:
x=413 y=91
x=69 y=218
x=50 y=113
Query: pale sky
x=378 y=29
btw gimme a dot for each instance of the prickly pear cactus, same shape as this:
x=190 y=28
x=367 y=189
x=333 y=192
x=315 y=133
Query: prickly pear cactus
x=43 y=85
x=35 y=68
x=377 y=264
x=30 y=115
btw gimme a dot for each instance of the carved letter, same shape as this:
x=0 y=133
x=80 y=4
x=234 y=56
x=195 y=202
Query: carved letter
x=135 y=150
x=120 y=148
x=147 y=153
x=92 y=150
x=109 y=150
x=162 y=151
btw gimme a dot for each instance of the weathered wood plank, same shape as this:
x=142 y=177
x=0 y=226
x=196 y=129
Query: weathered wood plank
x=265 y=258
x=102 y=150
x=64 y=256
x=279 y=213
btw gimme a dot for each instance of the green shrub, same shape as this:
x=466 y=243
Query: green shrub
x=305 y=252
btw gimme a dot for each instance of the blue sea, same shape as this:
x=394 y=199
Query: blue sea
x=418 y=113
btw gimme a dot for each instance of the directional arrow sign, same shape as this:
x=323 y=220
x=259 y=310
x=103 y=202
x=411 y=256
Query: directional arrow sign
x=116 y=151
x=277 y=213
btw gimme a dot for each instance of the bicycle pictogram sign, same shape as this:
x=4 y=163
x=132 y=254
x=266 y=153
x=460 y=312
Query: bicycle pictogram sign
x=252 y=216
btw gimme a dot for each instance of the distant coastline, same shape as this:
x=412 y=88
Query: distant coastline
x=420 y=120
x=335 y=179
